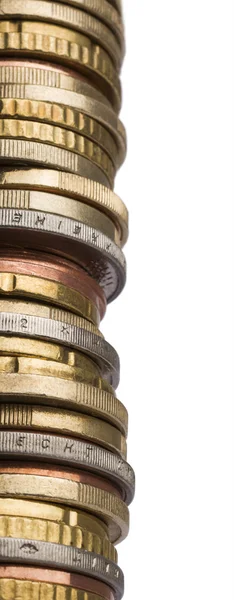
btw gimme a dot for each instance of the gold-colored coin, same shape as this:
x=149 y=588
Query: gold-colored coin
x=71 y=17
x=103 y=504
x=69 y=395
x=17 y=346
x=41 y=529
x=45 y=290
x=19 y=589
x=32 y=38
x=86 y=372
x=55 y=514
x=66 y=207
x=71 y=186
x=23 y=356
x=74 y=99
x=45 y=311
x=39 y=366
x=64 y=422
x=59 y=137
x=64 y=116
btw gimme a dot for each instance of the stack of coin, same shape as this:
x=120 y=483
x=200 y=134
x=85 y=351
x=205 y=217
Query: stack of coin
x=65 y=485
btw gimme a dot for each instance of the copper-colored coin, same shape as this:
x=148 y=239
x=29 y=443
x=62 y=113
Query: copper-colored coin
x=56 y=269
x=87 y=584
x=61 y=472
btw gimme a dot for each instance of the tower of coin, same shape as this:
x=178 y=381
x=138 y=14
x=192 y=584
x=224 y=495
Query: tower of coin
x=65 y=484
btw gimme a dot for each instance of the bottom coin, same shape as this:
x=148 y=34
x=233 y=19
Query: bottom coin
x=56 y=556
x=27 y=583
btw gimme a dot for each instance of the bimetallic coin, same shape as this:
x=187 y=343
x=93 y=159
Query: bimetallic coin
x=54 y=449
x=97 y=348
x=69 y=395
x=104 y=505
x=101 y=258
x=71 y=17
x=72 y=187
x=46 y=41
x=31 y=552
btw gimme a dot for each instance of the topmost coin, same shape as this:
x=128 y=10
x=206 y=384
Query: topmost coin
x=104 y=10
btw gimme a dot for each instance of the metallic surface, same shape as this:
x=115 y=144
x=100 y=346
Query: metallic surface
x=71 y=120
x=26 y=286
x=52 y=42
x=56 y=533
x=61 y=14
x=27 y=590
x=55 y=269
x=21 y=129
x=82 y=426
x=35 y=389
x=104 y=11
x=55 y=514
x=104 y=505
x=92 y=106
x=59 y=556
x=72 y=187
x=61 y=578
x=52 y=471
x=46 y=311
x=19 y=72
x=102 y=259
x=59 y=205
x=96 y=347
x=15 y=349
x=54 y=449
x=22 y=153
x=65 y=484
x=39 y=366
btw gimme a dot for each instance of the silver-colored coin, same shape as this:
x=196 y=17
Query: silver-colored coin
x=70 y=452
x=15 y=75
x=70 y=335
x=24 y=152
x=67 y=558
x=104 y=11
x=91 y=249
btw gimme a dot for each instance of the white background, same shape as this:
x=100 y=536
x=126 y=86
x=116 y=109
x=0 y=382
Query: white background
x=172 y=325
